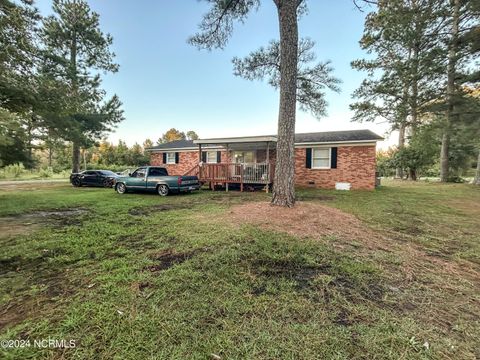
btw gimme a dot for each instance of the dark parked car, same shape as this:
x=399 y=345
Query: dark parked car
x=153 y=178
x=103 y=178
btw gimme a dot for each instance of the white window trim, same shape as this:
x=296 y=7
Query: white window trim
x=215 y=159
x=169 y=161
x=329 y=158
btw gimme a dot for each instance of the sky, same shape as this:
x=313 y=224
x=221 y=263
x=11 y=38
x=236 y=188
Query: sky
x=165 y=82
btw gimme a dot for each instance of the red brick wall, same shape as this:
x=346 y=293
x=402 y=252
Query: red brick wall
x=355 y=164
x=186 y=161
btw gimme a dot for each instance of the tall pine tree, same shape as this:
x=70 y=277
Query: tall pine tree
x=77 y=50
x=403 y=77
x=215 y=30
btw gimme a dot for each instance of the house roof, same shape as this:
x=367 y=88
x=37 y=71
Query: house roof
x=303 y=138
x=177 y=144
x=337 y=136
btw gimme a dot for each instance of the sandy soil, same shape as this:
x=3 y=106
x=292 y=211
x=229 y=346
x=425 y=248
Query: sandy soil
x=305 y=219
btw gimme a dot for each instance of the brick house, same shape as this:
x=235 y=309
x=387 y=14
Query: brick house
x=322 y=159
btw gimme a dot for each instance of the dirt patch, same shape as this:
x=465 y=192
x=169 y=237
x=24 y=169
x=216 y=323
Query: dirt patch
x=168 y=258
x=145 y=211
x=52 y=283
x=27 y=223
x=19 y=263
x=32 y=185
x=468 y=206
x=305 y=219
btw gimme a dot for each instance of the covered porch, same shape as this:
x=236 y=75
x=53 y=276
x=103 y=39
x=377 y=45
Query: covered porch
x=244 y=161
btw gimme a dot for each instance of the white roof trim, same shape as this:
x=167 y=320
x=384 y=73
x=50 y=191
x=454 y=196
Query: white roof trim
x=236 y=140
x=184 y=149
x=337 y=142
x=304 y=144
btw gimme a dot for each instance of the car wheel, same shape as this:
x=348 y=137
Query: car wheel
x=162 y=190
x=121 y=188
x=107 y=183
x=76 y=182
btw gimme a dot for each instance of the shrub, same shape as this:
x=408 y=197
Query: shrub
x=14 y=170
x=46 y=172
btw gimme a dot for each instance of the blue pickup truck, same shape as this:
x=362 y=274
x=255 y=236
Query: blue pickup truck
x=154 y=178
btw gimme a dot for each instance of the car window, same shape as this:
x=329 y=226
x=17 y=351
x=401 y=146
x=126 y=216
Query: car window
x=157 y=172
x=90 y=173
x=107 y=172
x=139 y=173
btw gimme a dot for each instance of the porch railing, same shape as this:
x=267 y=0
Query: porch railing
x=247 y=173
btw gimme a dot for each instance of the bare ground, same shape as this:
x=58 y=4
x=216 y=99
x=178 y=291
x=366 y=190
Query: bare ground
x=24 y=224
x=415 y=269
x=305 y=220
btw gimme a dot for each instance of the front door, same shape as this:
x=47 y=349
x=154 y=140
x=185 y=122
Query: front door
x=241 y=157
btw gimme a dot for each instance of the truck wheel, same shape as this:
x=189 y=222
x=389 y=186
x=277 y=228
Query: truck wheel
x=162 y=190
x=76 y=182
x=121 y=188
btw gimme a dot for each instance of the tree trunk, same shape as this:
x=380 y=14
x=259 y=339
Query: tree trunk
x=401 y=145
x=412 y=174
x=74 y=80
x=50 y=155
x=476 y=181
x=451 y=66
x=76 y=158
x=284 y=182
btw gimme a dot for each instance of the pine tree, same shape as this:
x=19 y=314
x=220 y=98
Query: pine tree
x=215 y=30
x=18 y=54
x=402 y=79
x=76 y=50
x=462 y=29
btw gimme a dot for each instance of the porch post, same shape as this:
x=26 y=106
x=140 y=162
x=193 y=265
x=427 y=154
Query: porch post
x=199 y=153
x=268 y=152
x=268 y=167
x=227 y=173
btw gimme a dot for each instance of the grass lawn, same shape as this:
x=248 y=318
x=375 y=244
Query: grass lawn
x=144 y=277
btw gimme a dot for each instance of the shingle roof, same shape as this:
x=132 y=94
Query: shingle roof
x=337 y=136
x=317 y=137
x=177 y=144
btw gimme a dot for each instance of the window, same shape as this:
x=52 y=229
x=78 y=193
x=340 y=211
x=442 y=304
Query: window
x=170 y=158
x=107 y=173
x=211 y=157
x=321 y=158
x=139 y=173
x=157 y=172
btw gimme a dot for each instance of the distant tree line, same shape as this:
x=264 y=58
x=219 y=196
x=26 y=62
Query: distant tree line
x=423 y=79
x=56 y=158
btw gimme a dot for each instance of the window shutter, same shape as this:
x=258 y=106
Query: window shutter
x=308 y=162
x=219 y=157
x=176 y=157
x=204 y=156
x=164 y=158
x=333 y=160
